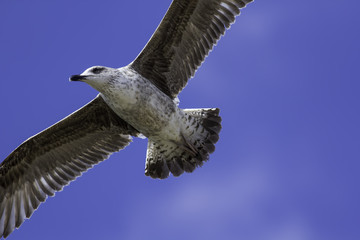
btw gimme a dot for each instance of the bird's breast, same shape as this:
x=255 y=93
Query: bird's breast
x=144 y=106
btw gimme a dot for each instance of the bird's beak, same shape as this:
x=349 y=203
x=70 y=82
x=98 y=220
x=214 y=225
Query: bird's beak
x=77 y=78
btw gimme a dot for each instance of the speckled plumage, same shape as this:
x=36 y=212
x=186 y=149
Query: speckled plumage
x=140 y=103
x=179 y=140
x=138 y=99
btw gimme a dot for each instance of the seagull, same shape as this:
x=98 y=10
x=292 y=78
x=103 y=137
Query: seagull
x=137 y=100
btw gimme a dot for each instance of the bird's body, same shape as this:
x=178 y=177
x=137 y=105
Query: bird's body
x=179 y=140
x=138 y=99
x=142 y=105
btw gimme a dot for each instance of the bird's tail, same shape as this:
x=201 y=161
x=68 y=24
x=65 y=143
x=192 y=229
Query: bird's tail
x=199 y=135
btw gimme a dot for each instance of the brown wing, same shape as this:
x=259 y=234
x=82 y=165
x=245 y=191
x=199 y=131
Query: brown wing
x=183 y=39
x=48 y=161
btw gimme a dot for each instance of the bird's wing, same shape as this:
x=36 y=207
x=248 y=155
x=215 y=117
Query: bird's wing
x=187 y=33
x=48 y=161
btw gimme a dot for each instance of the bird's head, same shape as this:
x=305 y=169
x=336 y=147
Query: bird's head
x=96 y=76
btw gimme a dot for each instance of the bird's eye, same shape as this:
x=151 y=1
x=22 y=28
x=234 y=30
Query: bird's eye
x=97 y=70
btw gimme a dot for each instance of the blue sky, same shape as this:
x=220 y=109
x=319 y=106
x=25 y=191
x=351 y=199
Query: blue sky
x=285 y=78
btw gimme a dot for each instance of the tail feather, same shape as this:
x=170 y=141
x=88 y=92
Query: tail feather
x=199 y=138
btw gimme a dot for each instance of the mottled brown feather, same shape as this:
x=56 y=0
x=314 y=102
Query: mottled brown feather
x=187 y=33
x=48 y=161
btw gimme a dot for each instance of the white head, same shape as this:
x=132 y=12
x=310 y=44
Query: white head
x=98 y=77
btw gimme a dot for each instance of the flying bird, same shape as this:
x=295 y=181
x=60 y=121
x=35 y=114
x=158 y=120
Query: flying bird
x=137 y=100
